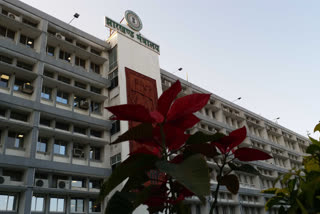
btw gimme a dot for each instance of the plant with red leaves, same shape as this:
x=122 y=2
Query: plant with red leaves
x=170 y=165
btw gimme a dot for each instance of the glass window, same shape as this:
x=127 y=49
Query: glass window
x=7 y=202
x=19 y=116
x=113 y=77
x=48 y=74
x=4 y=80
x=64 y=79
x=96 y=133
x=6 y=59
x=79 y=130
x=50 y=50
x=79 y=102
x=65 y=56
x=81 y=45
x=78 y=182
x=7 y=32
x=37 y=204
x=62 y=97
x=80 y=85
x=76 y=206
x=46 y=92
x=62 y=126
x=95 y=67
x=44 y=121
x=29 y=42
x=113 y=58
x=42 y=144
x=115 y=127
x=25 y=65
x=59 y=147
x=95 y=153
x=80 y=62
x=30 y=23
x=78 y=151
x=94 y=206
x=95 y=90
x=95 y=52
x=95 y=107
x=15 y=140
x=56 y=205
x=115 y=160
x=95 y=184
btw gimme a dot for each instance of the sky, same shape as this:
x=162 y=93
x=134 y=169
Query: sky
x=266 y=52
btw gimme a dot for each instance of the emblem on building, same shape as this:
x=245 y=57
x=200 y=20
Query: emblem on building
x=133 y=20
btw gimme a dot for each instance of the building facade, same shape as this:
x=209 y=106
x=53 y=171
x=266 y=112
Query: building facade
x=54 y=132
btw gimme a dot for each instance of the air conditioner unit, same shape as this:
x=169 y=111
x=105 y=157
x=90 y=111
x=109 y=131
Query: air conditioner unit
x=12 y=16
x=84 y=104
x=60 y=36
x=5 y=180
x=27 y=88
x=78 y=153
x=44 y=183
x=63 y=184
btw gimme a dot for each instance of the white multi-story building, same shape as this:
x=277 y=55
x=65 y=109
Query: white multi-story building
x=54 y=146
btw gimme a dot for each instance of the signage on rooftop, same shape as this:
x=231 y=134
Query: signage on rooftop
x=134 y=23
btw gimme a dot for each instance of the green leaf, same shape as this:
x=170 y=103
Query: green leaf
x=272 y=202
x=231 y=182
x=311 y=164
x=204 y=148
x=303 y=209
x=244 y=168
x=119 y=203
x=313 y=148
x=270 y=191
x=193 y=173
x=317 y=128
x=314 y=141
x=200 y=137
x=135 y=164
x=142 y=131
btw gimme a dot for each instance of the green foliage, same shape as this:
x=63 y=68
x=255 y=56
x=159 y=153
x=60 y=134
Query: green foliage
x=301 y=192
x=193 y=173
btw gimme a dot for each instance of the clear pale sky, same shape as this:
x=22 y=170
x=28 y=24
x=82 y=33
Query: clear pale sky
x=266 y=52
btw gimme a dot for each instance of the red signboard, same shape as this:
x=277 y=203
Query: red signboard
x=140 y=90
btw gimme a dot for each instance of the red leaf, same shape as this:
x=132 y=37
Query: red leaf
x=132 y=112
x=174 y=137
x=146 y=149
x=167 y=97
x=237 y=137
x=187 y=105
x=185 y=122
x=249 y=154
x=177 y=159
x=157 y=117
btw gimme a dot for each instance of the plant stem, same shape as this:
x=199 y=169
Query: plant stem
x=214 y=205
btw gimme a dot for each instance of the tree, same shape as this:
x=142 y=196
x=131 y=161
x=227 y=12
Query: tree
x=301 y=187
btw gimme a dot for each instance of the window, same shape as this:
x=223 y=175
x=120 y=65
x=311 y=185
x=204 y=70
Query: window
x=115 y=127
x=96 y=52
x=95 y=153
x=94 y=184
x=48 y=74
x=95 y=68
x=62 y=97
x=45 y=122
x=59 y=147
x=4 y=80
x=18 y=83
x=5 y=32
x=78 y=182
x=95 y=133
x=50 y=50
x=56 y=205
x=62 y=126
x=29 y=42
x=37 y=204
x=94 y=206
x=95 y=107
x=42 y=144
x=15 y=140
x=6 y=59
x=46 y=93
x=80 y=62
x=68 y=39
x=81 y=45
x=77 y=206
x=113 y=77
x=115 y=161
x=78 y=151
x=79 y=130
x=64 y=79
x=113 y=58
x=19 y=116
x=13 y=174
x=8 y=202
x=80 y=85
x=65 y=56
x=95 y=90
x=30 y=23
x=80 y=102
x=25 y=65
